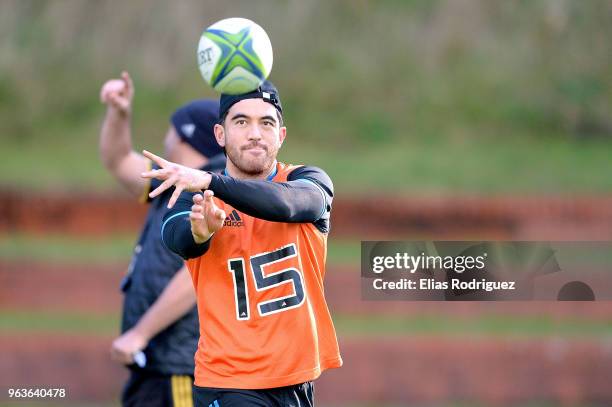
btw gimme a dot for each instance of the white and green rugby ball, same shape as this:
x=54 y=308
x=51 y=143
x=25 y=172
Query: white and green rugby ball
x=234 y=56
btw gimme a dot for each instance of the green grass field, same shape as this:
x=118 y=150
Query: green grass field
x=509 y=327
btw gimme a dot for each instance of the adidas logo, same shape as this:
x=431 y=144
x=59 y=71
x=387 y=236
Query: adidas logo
x=233 y=219
x=188 y=129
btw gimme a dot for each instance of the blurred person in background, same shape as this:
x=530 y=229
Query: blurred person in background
x=159 y=314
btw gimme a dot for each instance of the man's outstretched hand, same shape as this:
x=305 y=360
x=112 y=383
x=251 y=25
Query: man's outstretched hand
x=172 y=174
x=206 y=217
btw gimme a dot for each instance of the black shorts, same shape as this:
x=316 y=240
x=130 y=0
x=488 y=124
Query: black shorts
x=301 y=395
x=155 y=390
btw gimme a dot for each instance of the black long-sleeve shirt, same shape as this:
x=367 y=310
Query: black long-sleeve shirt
x=306 y=197
x=149 y=273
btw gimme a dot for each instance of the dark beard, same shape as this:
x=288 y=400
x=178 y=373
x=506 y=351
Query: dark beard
x=250 y=171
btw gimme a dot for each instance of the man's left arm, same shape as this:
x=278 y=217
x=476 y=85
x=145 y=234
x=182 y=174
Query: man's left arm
x=305 y=197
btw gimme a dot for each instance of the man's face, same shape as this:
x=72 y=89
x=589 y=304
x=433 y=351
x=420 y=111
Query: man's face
x=251 y=135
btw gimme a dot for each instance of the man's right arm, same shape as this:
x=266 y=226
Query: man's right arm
x=116 y=139
x=177 y=232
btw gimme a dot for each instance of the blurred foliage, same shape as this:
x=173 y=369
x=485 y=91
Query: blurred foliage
x=467 y=86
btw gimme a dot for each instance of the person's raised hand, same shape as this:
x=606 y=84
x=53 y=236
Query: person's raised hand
x=118 y=93
x=172 y=174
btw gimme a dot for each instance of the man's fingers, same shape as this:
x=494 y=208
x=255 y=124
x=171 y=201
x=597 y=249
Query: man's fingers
x=175 y=195
x=118 y=355
x=113 y=99
x=208 y=198
x=112 y=86
x=211 y=207
x=220 y=214
x=122 y=103
x=198 y=199
x=159 y=174
x=128 y=82
x=119 y=102
x=198 y=203
x=155 y=158
x=164 y=186
x=208 y=203
x=196 y=216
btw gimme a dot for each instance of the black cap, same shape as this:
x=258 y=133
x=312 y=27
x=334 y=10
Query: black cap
x=266 y=91
x=194 y=123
